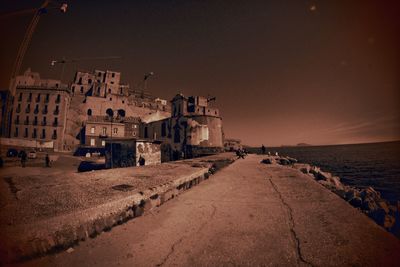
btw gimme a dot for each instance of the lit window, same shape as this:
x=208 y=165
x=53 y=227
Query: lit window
x=92 y=130
x=115 y=130
x=103 y=143
x=92 y=142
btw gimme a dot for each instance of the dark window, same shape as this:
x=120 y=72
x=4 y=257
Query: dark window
x=113 y=74
x=89 y=112
x=80 y=80
x=54 y=134
x=38 y=98
x=17 y=119
x=20 y=97
x=43 y=133
x=34 y=134
x=163 y=129
x=58 y=99
x=177 y=135
x=90 y=80
x=146 y=133
x=26 y=132
x=16 y=132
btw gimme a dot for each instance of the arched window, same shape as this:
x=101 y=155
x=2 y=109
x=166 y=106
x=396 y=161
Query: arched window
x=89 y=112
x=110 y=112
x=121 y=112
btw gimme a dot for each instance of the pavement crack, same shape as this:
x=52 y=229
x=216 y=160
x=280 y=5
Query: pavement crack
x=296 y=239
x=183 y=237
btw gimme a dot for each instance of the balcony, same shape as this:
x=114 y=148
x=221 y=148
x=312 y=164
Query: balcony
x=16 y=121
x=26 y=122
x=56 y=112
x=27 y=110
x=36 y=111
x=45 y=111
x=55 y=124
x=35 y=122
x=103 y=135
x=18 y=110
x=54 y=136
x=44 y=123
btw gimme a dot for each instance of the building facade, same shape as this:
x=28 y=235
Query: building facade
x=39 y=111
x=194 y=129
x=100 y=128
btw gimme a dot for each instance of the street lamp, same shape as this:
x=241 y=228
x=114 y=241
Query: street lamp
x=110 y=114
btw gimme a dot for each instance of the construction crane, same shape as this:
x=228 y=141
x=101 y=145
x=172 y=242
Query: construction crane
x=38 y=12
x=64 y=61
x=43 y=9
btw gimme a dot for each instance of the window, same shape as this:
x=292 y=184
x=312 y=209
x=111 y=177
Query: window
x=16 y=132
x=109 y=90
x=163 y=129
x=103 y=143
x=26 y=132
x=27 y=120
x=146 y=134
x=113 y=74
x=115 y=130
x=54 y=134
x=35 y=121
x=92 y=129
x=104 y=131
x=73 y=89
x=177 y=135
x=81 y=89
x=43 y=133
x=90 y=81
x=17 y=119
x=92 y=142
x=55 y=123
x=34 y=135
x=134 y=133
x=135 y=126
x=38 y=98
x=89 y=112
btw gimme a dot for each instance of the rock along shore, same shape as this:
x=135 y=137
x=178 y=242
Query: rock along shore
x=85 y=204
x=367 y=200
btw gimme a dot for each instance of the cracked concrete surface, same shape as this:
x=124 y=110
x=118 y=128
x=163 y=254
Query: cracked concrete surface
x=240 y=218
x=291 y=224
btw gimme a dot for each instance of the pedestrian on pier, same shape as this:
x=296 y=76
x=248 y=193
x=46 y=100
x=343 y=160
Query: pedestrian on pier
x=47 y=159
x=24 y=157
x=263 y=149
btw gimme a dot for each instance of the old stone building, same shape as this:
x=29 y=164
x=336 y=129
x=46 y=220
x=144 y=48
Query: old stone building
x=94 y=93
x=194 y=129
x=100 y=128
x=39 y=110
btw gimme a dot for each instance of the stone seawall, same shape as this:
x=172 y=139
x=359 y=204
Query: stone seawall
x=42 y=236
x=367 y=200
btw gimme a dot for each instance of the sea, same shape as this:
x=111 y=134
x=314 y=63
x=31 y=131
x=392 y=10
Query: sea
x=358 y=165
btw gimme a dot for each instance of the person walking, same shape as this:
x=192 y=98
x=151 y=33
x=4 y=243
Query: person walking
x=24 y=157
x=47 y=159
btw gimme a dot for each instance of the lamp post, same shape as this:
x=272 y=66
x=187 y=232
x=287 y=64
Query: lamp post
x=110 y=114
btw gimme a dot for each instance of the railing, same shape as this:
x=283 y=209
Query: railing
x=27 y=110
x=26 y=122
x=54 y=136
x=36 y=111
x=35 y=122
x=45 y=111
x=103 y=135
x=56 y=112
x=44 y=123
x=55 y=124
x=18 y=110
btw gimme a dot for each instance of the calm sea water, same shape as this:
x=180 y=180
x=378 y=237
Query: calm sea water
x=359 y=165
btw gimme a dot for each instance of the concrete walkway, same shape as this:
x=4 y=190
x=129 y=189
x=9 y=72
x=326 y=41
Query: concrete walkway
x=248 y=214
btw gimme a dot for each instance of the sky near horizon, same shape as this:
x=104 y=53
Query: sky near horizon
x=283 y=72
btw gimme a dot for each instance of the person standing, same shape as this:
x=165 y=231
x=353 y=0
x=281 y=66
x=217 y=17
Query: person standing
x=24 y=157
x=47 y=159
x=263 y=149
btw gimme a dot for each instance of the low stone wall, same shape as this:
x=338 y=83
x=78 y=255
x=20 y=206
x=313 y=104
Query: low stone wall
x=65 y=231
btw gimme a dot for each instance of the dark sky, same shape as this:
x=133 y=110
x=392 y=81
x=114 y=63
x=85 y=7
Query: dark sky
x=283 y=72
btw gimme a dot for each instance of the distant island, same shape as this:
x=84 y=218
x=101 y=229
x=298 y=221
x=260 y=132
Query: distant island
x=303 y=144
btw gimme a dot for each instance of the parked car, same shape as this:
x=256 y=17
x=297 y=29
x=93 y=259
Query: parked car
x=86 y=166
x=12 y=152
x=32 y=155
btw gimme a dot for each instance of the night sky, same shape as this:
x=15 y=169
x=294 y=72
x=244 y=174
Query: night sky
x=283 y=72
